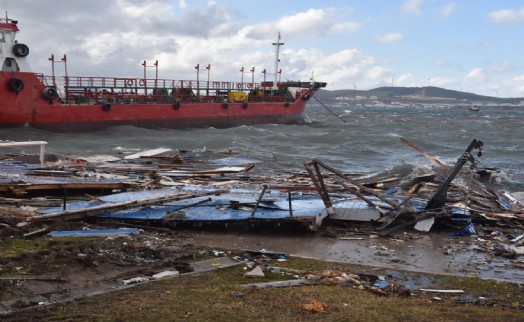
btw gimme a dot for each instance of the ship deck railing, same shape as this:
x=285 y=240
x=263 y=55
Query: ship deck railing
x=96 y=90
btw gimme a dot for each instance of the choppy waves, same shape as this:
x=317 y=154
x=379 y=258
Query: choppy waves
x=368 y=140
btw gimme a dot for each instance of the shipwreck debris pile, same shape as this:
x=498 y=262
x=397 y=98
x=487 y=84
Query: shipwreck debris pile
x=165 y=188
x=449 y=194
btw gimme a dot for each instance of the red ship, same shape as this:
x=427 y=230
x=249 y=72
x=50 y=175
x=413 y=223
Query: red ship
x=71 y=104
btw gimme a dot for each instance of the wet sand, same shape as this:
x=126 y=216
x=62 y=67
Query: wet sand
x=428 y=253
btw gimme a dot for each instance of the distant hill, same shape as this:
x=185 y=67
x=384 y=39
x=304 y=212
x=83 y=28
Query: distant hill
x=428 y=93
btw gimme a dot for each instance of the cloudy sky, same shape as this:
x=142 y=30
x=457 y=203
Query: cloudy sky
x=474 y=46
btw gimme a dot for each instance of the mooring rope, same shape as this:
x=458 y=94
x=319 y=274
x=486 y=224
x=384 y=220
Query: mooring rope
x=324 y=106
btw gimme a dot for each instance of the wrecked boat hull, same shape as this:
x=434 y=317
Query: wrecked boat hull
x=236 y=206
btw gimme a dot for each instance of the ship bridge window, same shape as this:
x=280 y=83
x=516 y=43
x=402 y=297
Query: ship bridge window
x=2 y=36
x=10 y=65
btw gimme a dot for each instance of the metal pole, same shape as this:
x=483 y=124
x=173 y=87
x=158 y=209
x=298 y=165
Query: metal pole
x=64 y=59
x=439 y=199
x=290 y=208
x=52 y=59
x=208 y=73
x=259 y=199
x=242 y=75
x=156 y=73
x=65 y=198
x=277 y=59
x=197 y=67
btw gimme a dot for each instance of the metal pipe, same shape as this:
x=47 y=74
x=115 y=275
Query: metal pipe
x=290 y=208
x=258 y=201
x=65 y=198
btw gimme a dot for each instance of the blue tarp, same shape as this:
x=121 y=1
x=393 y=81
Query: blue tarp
x=94 y=232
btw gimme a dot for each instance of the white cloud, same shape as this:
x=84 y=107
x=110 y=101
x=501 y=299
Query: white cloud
x=405 y=80
x=376 y=73
x=298 y=23
x=313 y=22
x=507 y=15
x=347 y=26
x=412 y=7
x=143 y=10
x=182 y=4
x=442 y=81
x=518 y=82
x=477 y=75
x=445 y=11
x=391 y=37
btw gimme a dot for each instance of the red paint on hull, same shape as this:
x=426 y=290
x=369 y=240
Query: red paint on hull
x=28 y=107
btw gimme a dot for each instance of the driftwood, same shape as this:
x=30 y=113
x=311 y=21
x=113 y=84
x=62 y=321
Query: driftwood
x=427 y=155
x=22 y=189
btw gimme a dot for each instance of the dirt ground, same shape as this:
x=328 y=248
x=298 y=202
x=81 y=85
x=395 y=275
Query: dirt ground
x=66 y=269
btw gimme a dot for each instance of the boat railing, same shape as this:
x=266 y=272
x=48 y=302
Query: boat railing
x=96 y=90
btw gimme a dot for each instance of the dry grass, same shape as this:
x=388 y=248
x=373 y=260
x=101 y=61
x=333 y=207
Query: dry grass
x=219 y=296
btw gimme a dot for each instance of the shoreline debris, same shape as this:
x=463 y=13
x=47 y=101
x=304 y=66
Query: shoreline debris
x=164 y=189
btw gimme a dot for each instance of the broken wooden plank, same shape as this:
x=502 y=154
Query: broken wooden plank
x=24 y=188
x=216 y=171
x=427 y=155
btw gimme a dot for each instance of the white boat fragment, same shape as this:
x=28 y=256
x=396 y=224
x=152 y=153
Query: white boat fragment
x=425 y=225
x=147 y=153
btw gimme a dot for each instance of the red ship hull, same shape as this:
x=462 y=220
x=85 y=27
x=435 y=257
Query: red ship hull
x=29 y=108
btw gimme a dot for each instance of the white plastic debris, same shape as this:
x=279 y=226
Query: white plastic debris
x=165 y=274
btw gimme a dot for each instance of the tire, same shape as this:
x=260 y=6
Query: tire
x=20 y=50
x=50 y=93
x=15 y=85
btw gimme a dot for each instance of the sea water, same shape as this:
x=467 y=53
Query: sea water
x=352 y=139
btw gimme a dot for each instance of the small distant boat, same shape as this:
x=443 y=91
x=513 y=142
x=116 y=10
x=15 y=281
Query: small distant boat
x=473 y=108
x=70 y=104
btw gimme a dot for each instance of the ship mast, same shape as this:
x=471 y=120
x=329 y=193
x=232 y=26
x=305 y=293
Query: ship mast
x=277 y=59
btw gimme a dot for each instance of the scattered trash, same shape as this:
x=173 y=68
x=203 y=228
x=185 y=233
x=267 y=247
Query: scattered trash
x=217 y=252
x=256 y=272
x=468 y=230
x=164 y=274
x=135 y=280
x=315 y=307
x=442 y=291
